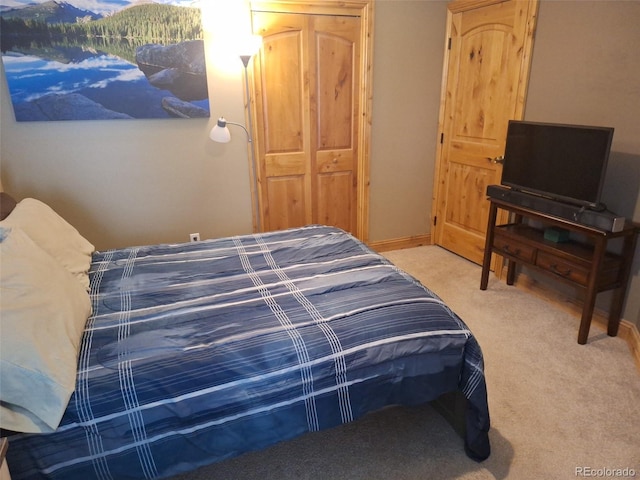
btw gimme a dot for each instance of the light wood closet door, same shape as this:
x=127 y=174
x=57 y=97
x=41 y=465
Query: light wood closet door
x=484 y=86
x=307 y=80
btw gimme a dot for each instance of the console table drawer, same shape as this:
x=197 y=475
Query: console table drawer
x=562 y=268
x=515 y=249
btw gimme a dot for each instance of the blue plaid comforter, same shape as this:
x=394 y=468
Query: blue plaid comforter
x=199 y=352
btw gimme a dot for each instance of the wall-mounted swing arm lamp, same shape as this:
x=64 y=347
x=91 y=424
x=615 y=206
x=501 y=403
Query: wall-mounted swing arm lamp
x=220 y=133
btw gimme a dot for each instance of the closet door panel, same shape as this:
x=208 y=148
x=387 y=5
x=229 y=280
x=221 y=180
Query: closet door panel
x=282 y=101
x=311 y=85
x=283 y=97
x=335 y=206
x=334 y=91
x=286 y=201
x=335 y=107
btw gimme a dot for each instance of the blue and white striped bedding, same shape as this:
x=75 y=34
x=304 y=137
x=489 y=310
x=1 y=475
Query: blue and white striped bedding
x=199 y=352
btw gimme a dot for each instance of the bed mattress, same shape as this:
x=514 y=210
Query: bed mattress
x=202 y=351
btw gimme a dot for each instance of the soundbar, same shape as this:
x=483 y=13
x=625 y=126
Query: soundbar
x=601 y=220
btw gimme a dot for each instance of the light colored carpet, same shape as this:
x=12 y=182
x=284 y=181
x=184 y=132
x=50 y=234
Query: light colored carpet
x=559 y=410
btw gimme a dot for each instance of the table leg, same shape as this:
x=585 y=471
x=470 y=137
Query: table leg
x=592 y=290
x=488 y=246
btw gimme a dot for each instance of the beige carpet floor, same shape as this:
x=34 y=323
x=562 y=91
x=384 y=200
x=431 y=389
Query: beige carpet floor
x=559 y=410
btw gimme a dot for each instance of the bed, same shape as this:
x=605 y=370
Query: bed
x=197 y=352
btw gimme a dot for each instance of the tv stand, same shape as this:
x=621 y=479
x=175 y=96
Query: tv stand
x=585 y=262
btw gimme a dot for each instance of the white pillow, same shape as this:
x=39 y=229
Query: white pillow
x=54 y=235
x=43 y=312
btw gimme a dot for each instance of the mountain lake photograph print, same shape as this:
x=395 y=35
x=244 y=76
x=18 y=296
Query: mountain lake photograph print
x=104 y=59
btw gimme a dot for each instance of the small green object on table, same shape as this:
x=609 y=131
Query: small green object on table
x=556 y=235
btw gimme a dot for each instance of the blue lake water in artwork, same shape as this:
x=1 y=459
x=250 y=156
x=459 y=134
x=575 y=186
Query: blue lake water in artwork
x=106 y=79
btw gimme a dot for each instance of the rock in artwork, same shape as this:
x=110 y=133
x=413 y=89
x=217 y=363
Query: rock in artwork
x=103 y=59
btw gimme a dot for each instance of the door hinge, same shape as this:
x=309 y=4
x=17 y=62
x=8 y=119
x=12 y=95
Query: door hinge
x=449 y=45
x=435 y=220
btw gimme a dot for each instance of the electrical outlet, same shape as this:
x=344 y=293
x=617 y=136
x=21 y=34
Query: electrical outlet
x=194 y=237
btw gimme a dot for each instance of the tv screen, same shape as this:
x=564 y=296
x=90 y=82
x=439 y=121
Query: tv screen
x=562 y=162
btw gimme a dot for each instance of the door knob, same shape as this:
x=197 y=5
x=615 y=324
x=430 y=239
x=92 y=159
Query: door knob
x=499 y=159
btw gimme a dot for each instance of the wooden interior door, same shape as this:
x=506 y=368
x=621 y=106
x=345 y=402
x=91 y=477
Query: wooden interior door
x=309 y=105
x=334 y=78
x=484 y=86
x=283 y=121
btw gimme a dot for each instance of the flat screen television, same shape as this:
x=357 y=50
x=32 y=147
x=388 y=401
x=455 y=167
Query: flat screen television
x=562 y=162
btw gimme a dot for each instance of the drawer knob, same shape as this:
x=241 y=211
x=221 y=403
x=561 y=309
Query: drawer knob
x=507 y=249
x=563 y=273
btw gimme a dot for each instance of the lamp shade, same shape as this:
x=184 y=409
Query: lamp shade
x=220 y=133
x=248 y=46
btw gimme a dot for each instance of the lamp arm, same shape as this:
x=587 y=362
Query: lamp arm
x=243 y=127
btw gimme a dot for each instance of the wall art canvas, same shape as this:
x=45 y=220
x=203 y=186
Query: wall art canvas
x=104 y=59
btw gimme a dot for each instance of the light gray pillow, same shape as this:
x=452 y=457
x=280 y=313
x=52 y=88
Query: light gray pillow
x=43 y=314
x=54 y=235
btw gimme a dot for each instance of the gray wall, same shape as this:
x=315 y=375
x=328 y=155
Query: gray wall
x=585 y=71
x=149 y=181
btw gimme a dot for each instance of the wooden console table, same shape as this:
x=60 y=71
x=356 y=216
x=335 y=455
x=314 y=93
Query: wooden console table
x=585 y=262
